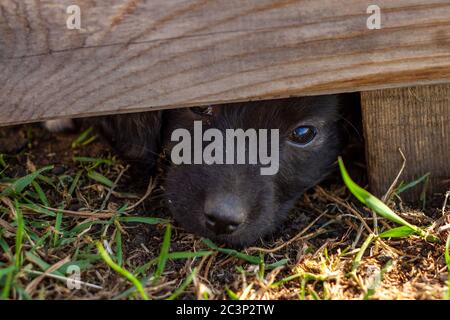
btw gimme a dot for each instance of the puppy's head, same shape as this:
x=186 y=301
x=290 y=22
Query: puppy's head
x=235 y=203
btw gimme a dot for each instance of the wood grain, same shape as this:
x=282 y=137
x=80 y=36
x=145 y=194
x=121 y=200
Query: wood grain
x=138 y=55
x=417 y=120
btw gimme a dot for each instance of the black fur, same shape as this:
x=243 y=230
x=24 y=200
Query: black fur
x=136 y=136
x=263 y=201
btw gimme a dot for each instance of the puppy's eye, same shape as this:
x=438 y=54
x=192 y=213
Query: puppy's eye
x=203 y=111
x=303 y=135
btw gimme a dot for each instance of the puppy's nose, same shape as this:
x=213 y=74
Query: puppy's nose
x=224 y=213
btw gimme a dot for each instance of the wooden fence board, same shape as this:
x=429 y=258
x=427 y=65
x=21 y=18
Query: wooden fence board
x=416 y=120
x=137 y=55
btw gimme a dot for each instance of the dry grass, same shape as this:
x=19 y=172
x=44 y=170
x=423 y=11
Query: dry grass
x=77 y=203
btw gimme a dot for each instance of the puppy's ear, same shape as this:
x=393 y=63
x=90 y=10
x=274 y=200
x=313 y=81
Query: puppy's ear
x=348 y=116
x=136 y=136
x=60 y=125
x=350 y=109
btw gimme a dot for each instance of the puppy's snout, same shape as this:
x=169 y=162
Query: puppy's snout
x=224 y=213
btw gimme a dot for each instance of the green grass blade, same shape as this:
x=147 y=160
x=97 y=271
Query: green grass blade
x=183 y=286
x=20 y=184
x=7 y=270
x=84 y=138
x=75 y=182
x=361 y=251
x=47 y=180
x=231 y=294
x=405 y=186
x=7 y=285
x=399 y=232
x=377 y=205
x=143 y=268
x=277 y=264
x=2 y=160
x=301 y=275
x=41 y=263
x=41 y=193
x=130 y=291
x=252 y=259
x=35 y=208
x=94 y=175
x=4 y=246
x=314 y=294
x=188 y=255
x=164 y=253
x=58 y=222
x=147 y=220
x=172 y=256
x=19 y=235
x=105 y=256
x=83 y=226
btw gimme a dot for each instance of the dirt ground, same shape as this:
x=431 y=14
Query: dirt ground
x=313 y=256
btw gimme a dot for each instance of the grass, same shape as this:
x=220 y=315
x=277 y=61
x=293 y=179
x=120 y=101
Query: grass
x=105 y=256
x=69 y=204
x=382 y=209
x=163 y=254
x=183 y=286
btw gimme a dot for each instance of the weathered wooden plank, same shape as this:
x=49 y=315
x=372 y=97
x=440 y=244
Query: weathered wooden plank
x=416 y=120
x=136 y=55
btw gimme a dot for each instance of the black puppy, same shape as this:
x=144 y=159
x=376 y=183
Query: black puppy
x=235 y=204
